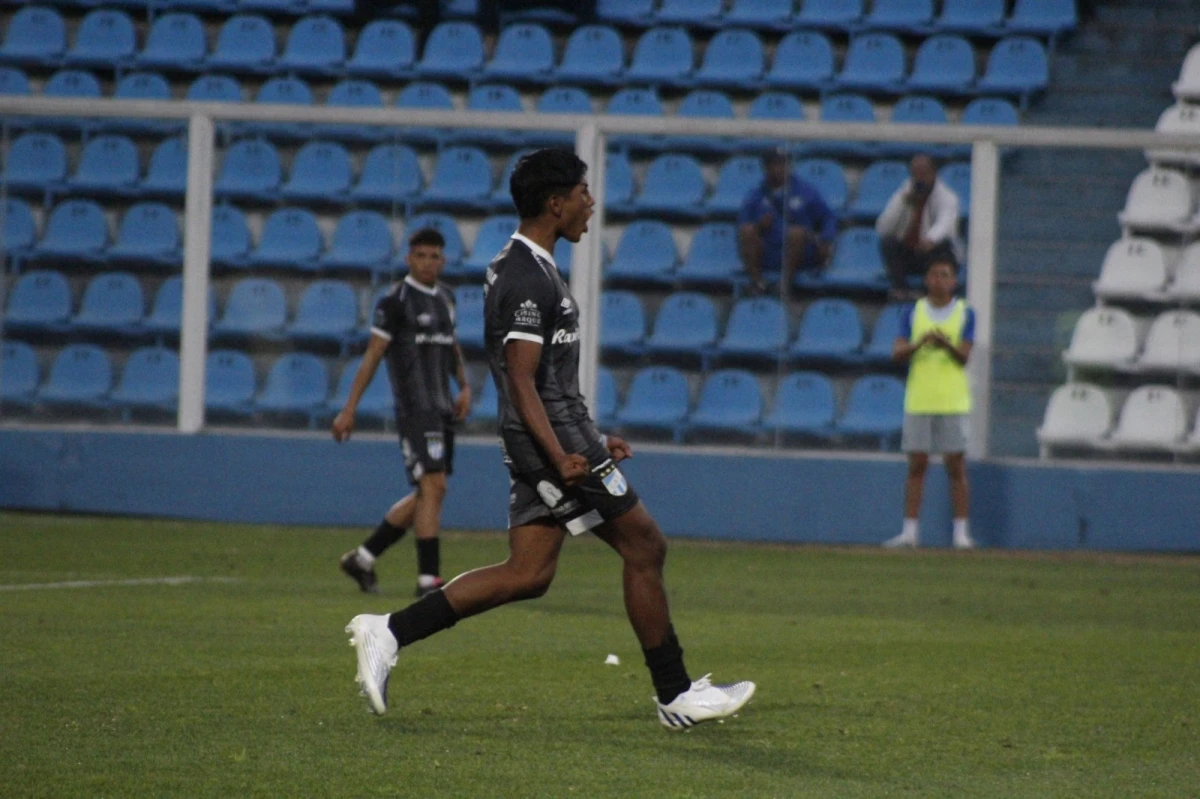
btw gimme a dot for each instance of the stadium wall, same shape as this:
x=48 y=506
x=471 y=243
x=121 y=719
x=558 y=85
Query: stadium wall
x=813 y=498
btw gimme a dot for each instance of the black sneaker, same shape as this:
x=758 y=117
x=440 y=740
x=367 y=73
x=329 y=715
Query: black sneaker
x=424 y=592
x=354 y=570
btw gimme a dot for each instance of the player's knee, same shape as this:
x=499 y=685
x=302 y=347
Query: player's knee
x=917 y=464
x=956 y=467
x=648 y=551
x=534 y=584
x=433 y=486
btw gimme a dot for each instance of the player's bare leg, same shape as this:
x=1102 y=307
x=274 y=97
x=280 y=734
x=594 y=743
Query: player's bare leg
x=526 y=574
x=359 y=563
x=956 y=470
x=914 y=488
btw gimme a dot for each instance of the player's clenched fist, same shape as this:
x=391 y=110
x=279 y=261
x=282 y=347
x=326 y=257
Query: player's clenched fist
x=572 y=469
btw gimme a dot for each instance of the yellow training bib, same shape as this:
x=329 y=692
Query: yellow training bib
x=936 y=382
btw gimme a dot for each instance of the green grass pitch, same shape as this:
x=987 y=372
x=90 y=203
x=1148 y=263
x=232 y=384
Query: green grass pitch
x=927 y=674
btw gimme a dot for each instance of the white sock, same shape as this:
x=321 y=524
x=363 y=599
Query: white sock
x=960 y=530
x=427 y=580
x=365 y=558
x=909 y=531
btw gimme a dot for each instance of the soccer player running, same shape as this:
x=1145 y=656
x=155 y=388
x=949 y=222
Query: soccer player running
x=413 y=327
x=563 y=472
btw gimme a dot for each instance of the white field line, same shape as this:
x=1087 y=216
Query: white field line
x=182 y=580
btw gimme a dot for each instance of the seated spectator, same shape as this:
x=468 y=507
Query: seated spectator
x=918 y=226
x=783 y=225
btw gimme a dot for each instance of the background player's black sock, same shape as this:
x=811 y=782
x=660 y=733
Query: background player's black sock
x=384 y=536
x=429 y=559
x=667 y=671
x=423 y=618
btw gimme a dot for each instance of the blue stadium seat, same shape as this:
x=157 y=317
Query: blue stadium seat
x=230 y=238
x=34 y=35
x=13 y=83
x=166 y=314
x=657 y=399
x=112 y=303
x=316 y=45
x=885 y=333
x=989 y=111
x=290 y=240
x=256 y=307
x=468 y=307
x=142 y=86
x=973 y=17
x=846 y=108
x=775 y=14
x=876 y=186
x=690 y=13
x=321 y=172
x=442 y=223
x=40 y=300
x=558 y=100
x=20 y=229
x=834 y=14
x=67 y=83
x=279 y=91
x=81 y=376
x=362 y=241
x=874 y=63
x=250 y=170
x=803 y=60
x=686 y=324
x=246 y=43
x=485 y=407
x=828 y=178
x=386 y=48
x=353 y=94
x=804 y=405
x=229 y=382
x=175 y=41
x=606 y=400
x=831 y=330
x=420 y=94
x=712 y=257
x=500 y=199
x=730 y=401
x=390 y=174
x=148 y=234
x=733 y=58
x=493 y=97
x=957 y=178
x=1017 y=65
x=622 y=322
x=453 y=50
x=75 y=231
x=105 y=38
x=674 y=185
x=626 y=12
x=910 y=16
x=35 y=162
x=915 y=109
x=645 y=254
x=215 y=89
x=493 y=236
x=376 y=402
x=705 y=104
x=944 y=64
x=108 y=165
x=327 y=311
x=19 y=373
x=736 y=178
x=150 y=380
x=662 y=55
x=1043 y=17
x=462 y=178
x=875 y=408
x=593 y=54
x=636 y=102
x=272 y=7
x=205 y=6
x=856 y=263
x=757 y=328
x=618 y=184
x=524 y=52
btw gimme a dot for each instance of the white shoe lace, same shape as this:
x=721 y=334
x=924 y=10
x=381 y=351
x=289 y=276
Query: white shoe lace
x=703 y=683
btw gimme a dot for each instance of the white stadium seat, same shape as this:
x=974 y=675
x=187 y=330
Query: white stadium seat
x=1191 y=445
x=1180 y=118
x=1134 y=268
x=1159 y=199
x=1106 y=338
x=1172 y=344
x=1186 y=284
x=1153 y=418
x=1078 y=415
x=1188 y=85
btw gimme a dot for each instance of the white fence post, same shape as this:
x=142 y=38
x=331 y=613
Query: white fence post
x=587 y=263
x=981 y=285
x=193 y=337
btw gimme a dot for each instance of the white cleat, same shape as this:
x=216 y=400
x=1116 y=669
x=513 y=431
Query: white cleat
x=376 y=648
x=704 y=702
x=964 y=542
x=902 y=541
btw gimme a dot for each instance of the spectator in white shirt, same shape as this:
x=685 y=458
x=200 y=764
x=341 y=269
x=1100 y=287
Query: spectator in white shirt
x=919 y=224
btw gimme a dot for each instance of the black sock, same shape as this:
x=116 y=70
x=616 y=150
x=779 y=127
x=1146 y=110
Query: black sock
x=667 y=671
x=384 y=536
x=429 y=559
x=423 y=618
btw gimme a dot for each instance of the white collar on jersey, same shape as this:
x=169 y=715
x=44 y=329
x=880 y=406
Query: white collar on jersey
x=537 y=249
x=419 y=286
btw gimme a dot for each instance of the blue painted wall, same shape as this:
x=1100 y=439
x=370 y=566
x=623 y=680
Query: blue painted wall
x=845 y=500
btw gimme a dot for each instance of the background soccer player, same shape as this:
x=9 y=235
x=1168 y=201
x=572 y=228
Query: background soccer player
x=413 y=327
x=564 y=473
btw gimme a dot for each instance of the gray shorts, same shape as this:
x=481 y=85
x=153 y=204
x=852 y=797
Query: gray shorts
x=934 y=433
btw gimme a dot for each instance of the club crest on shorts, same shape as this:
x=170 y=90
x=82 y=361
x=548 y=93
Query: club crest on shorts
x=614 y=482
x=434 y=446
x=549 y=493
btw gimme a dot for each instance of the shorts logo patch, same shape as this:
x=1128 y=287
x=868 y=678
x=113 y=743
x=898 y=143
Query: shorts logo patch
x=615 y=483
x=549 y=493
x=434 y=446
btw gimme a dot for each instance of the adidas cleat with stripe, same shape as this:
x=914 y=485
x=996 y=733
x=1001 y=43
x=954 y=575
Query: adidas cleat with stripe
x=376 y=648
x=704 y=702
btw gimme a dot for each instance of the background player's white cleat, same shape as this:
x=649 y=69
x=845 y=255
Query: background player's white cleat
x=902 y=541
x=964 y=541
x=704 y=702
x=376 y=648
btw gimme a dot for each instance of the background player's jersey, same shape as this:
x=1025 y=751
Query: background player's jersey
x=526 y=298
x=419 y=323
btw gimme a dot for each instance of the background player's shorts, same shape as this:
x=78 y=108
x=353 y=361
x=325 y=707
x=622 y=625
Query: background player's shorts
x=602 y=496
x=428 y=447
x=934 y=433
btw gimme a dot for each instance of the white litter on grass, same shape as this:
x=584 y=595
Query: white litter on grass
x=612 y=660
x=182 y=580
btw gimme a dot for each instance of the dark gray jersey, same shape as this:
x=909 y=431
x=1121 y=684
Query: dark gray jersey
x=418 y=321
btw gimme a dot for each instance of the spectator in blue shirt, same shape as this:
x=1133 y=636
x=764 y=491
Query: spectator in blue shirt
x=783 y=225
